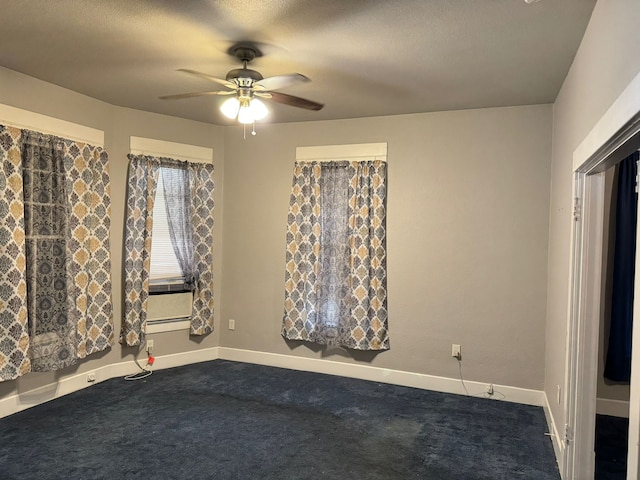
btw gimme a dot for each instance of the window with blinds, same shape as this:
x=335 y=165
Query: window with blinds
x=165 y=273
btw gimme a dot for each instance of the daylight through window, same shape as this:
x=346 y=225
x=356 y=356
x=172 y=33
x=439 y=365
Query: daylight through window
x=165 y=268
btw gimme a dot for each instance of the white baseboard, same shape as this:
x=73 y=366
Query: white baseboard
x=383 y=375
x=22 y=401
x=73 y=383
x=556 y=438
x=615 y=408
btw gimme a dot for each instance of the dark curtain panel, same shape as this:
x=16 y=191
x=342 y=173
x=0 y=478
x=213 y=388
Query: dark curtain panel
x=618 y=361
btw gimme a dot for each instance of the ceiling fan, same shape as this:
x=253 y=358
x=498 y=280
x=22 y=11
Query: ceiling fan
x=248 y=87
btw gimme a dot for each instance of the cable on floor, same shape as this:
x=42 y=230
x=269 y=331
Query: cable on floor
x=144 y=372
x=500 y=395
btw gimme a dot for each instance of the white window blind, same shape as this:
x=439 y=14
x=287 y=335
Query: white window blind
x=164 y=264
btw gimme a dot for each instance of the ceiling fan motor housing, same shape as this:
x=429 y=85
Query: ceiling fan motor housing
x=242 y=74
x=245 y=52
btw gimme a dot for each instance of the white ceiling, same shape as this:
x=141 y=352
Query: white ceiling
x=365 y=57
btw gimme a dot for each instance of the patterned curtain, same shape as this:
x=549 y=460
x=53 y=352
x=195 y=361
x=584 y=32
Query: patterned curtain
x=142 y=184
x=201 y=174
x=335 y=280
x=14 y=327
x=141 y=194
x=55 y=291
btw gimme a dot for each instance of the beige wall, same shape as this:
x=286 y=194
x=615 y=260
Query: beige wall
x=606 y=62
x=467 y=224
x=118 y=124
x=467 y=231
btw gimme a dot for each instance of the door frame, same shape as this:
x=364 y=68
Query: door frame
x=582 y=338
x=615 y=136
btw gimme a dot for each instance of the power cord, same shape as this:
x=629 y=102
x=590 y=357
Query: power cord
x=491 y=394
x=144 y=372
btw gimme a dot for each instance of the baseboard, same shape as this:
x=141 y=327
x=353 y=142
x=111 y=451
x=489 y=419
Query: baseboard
x=185 y=358
x=383 y=375
x=73 y=383
x=554 y=433
x=23 y=400
x=615 y=408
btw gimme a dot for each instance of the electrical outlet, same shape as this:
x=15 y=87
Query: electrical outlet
x=456 y=352
x=91 y=377
x=149 y=347
x=559 y=394
x=232 y=324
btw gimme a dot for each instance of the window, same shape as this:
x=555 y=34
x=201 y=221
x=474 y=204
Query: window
x=180 y=270
x=165 y=275
x=50 y=235
x=335 y=275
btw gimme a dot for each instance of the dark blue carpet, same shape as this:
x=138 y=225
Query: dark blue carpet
x=226 y=420
x=612 y=434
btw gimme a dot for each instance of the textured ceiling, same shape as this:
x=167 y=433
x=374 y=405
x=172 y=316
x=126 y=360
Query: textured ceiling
x=365 y=57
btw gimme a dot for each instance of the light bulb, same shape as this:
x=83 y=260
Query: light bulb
x=245 y=115
x=230 y=108
x=259 y=109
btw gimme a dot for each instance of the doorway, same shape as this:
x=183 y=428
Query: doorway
x=612 y=403
x=615 y=137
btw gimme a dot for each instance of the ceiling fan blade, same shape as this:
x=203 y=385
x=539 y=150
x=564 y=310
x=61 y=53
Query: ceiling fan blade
x=211 y=78
x=295 y=101
x=280 y=81
x=195 y=94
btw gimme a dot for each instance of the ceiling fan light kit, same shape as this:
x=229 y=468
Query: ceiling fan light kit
x=246 y=85
x=246 y=110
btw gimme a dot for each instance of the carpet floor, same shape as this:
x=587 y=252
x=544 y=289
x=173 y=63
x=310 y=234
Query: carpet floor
x=226 y=420
x=612 y=434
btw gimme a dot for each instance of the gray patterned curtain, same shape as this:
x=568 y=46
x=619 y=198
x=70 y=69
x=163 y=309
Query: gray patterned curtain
x=202 y=188
x=335 y=280
x=142 y=184
x=14 y=327
x=88 y=203
x=53 y=343
x=141 y=194
x=55 y=291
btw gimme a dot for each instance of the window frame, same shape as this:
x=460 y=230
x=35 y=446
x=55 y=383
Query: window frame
x=165 y=293
x=342 y=153
x=164 y=285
